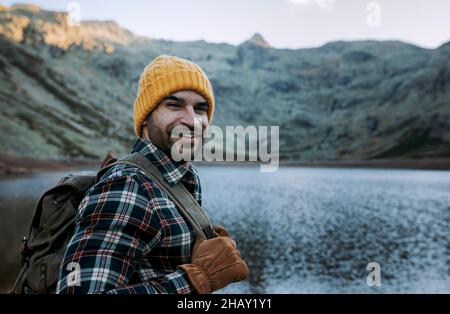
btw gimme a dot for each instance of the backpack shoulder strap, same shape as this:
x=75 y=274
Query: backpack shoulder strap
x=178 y=194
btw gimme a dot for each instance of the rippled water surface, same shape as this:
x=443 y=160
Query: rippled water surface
x=315 y=230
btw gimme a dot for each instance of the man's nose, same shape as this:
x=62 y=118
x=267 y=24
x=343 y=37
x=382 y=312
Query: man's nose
x=189 y=119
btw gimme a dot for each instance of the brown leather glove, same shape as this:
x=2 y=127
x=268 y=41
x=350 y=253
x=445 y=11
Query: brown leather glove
x=215 y=264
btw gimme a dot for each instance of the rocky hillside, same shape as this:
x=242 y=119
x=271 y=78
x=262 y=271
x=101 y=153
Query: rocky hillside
x=67 y=91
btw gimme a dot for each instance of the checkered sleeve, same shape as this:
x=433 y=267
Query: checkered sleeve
x=115 y=227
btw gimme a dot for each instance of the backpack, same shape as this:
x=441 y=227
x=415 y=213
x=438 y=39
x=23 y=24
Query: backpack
x=53 y=222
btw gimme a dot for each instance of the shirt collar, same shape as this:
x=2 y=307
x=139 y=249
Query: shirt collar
x=171 y=170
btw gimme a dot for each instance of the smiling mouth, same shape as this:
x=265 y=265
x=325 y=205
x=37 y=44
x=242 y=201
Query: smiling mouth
x=186 y=137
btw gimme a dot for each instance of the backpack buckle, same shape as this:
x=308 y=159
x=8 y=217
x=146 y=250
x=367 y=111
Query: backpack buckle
x=25 y=252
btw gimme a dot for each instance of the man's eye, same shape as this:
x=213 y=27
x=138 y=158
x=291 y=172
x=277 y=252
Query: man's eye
x=173 y=105
x=201 y=109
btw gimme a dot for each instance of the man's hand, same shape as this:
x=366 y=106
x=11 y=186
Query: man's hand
x=215 y=263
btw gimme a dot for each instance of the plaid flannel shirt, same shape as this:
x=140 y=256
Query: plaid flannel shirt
x=129 y=236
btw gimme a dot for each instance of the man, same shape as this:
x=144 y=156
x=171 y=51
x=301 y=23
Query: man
x=129 y=237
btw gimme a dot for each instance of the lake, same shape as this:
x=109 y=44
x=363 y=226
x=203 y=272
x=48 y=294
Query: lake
x=302 y=230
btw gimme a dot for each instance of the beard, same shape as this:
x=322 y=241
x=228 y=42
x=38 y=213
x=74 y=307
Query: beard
x=189 y=142
x=166 y=139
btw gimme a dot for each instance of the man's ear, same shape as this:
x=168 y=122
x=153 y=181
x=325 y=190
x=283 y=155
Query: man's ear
x=144 y=132
x=144 y=126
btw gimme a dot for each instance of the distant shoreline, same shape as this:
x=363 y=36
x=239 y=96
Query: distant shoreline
x=13 y=165
x=425 y=164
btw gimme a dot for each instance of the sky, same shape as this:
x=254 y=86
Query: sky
x=283 y=23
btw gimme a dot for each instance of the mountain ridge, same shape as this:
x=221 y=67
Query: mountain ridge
x=67 y=93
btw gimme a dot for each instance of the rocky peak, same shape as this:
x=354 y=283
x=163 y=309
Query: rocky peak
x=107 y=31
x=31 y=24
x=25 y=7
x=258 y=40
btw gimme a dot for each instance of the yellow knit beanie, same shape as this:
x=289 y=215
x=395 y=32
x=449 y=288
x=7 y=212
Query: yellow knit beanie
x=166 y=75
